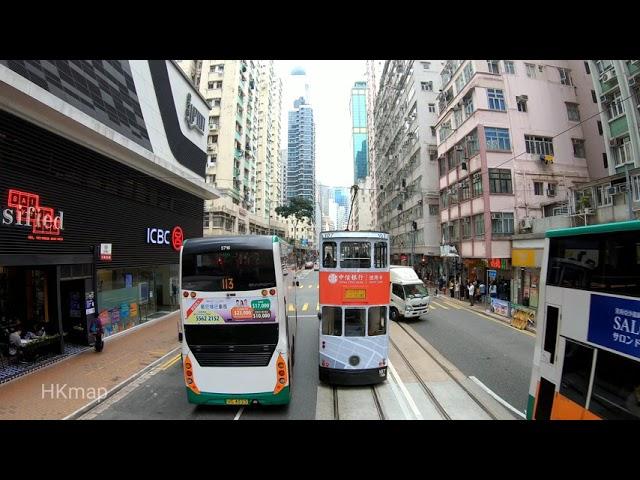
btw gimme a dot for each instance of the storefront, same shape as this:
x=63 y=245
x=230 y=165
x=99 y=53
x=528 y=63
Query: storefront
x=59 y=203
x=527 y=261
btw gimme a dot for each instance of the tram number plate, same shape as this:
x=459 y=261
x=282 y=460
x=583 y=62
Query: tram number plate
x=237 y=401
x=355 y=294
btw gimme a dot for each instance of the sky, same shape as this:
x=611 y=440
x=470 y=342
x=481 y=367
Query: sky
x=330 y=83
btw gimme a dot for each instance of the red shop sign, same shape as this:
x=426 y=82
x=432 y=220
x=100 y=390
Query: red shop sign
x=25 y=211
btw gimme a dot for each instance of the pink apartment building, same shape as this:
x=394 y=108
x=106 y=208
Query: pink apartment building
x=510 y=145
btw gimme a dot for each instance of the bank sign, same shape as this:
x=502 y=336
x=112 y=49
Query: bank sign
x=25 y=211
x=615 y=323
x=161 y=236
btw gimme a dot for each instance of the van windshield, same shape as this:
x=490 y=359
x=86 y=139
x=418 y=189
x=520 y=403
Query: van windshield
x=416 y=290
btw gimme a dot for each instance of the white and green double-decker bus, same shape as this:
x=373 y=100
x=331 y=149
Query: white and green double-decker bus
x=238 y=335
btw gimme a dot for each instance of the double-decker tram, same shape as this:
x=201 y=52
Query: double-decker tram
x=238 y=336
x=586 y=362
x=354 y=307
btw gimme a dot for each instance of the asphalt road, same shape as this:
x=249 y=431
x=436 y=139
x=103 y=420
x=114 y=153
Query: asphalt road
x=497 y=354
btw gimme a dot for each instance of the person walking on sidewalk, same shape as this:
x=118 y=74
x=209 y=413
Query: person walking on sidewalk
x=451 y=287
x=456 y=290
x=471 y=292
x=482 y=289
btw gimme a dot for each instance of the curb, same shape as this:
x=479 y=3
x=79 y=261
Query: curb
x=82 y=410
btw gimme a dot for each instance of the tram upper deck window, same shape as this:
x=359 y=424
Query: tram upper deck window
x=332 y=321
x=329 y=254
x=355 y=255
x=354 y=320
x=380 y=255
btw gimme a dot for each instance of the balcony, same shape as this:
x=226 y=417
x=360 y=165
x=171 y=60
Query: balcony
x=238 y=154
x=238 y=136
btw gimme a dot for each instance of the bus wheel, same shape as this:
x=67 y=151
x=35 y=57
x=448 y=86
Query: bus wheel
x=394 y=314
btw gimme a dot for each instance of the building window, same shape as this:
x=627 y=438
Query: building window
x=565 y=76
x=521 y=101
x=478 y=225
x=552 y=189
x=578 y=148
x=467 y=102
x=538 y=188
x=493 y=66
x=460 y=83
x=603 y=199
x=586 y=68
x=531 y=70
x=615 y=108
x=603 y=65
x=433 y=209
x=210 y=85
x=432 y=107
x=502 y=223
x=427 y=86
x=216 y=102
x=635 y=181
x=465 y=190
x=509 y=67
x=572 y=112
x=593 y=96
x=213 y=139
x=426 y=65
x=472 y=143
x=622 y=152
x=497 y=138
x=476 y=184
x=433 y=131
x=500 y=180
x=495 y=98
x=605 y=162
x=468 y=70
x=466 y=227
x=538 y=145
x=599 y=127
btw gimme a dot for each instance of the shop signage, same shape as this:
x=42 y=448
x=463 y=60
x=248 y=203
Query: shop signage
x=615 y=323
x=492 y=274
x=105 y=252
x=24 y=210
x=499 y=263
x=523 y=257
x=160 y=236
x=501 y=307
x=194 y=118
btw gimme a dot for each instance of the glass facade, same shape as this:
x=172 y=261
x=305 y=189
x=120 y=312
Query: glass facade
x=359 y=123
x=129 y=296
x=301 y=159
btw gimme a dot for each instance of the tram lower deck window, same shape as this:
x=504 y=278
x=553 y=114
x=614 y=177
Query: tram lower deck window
x=354 y=321
x=332 y=321
x=377 y=321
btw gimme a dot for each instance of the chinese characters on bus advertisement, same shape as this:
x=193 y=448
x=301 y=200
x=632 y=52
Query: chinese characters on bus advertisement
x=250 y=309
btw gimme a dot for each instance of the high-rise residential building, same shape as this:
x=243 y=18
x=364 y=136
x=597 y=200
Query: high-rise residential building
x=301 y=158
x=358 y=108
x=284 y=160
x=374 y=70
x=361 y=218
x=511 y=148
x=233 y=90
x=269 y=172
x=405 y=159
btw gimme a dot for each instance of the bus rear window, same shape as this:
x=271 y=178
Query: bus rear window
x=238 y=270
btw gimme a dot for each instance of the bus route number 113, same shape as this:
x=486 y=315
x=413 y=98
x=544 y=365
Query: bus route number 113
x=227 y=283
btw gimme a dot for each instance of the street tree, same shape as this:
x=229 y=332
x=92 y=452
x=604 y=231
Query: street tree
x=299 y=208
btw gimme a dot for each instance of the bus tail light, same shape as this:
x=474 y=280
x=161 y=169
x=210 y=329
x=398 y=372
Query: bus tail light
x=281 y=375
x=185 y=294
x=272 y=291
x=188 y=376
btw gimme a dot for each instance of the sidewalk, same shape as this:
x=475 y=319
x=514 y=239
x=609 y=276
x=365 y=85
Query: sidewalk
x=480 y=308
x=59 y=390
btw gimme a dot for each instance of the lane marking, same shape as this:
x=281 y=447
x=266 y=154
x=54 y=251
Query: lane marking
x=301 y=286
x=172 y=362
x=432 y=307
x=441 y=306
x=498 y=398
x=406 y=393
x=305 y=307
x=317 y=307
x=318 y=286
x=238 y=414
x=307 y=316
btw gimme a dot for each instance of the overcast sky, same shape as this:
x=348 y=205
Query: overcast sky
x=330 y=83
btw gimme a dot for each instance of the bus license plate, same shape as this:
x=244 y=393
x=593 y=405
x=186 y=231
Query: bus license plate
x=355 y=294
x=237 y=401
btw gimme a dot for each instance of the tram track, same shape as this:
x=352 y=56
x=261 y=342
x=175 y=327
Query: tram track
x=428 y=391
x=375 y=401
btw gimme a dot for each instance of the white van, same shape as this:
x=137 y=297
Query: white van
x=409 y=296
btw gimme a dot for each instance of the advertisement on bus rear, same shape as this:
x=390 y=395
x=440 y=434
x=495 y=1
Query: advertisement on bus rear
x=615 y=323
x=236 y=310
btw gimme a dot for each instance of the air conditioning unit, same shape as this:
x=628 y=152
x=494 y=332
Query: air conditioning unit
x=588 y=211
x=606 y=76
x=525 y=223
x=622 y=187
x=613 y=142
x=496 y=216
x=603 y=98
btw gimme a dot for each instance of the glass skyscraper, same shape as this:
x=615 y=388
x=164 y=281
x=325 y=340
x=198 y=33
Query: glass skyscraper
x=359 y=124
x=301 y=162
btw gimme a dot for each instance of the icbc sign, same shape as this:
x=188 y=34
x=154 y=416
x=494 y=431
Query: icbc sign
x=25 y=210
x=160 y=236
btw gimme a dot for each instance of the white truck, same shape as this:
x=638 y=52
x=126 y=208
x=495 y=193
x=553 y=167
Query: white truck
x=409 y=296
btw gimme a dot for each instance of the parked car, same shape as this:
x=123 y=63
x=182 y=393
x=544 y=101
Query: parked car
x=308 y=265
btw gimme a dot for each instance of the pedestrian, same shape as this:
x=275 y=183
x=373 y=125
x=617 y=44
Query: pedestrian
x=451 y=287
x=471 y=293
x=493 y=290
x=482 y=291
x=456 y=289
